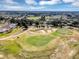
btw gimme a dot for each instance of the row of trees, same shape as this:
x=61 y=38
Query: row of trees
x=42 y=22
x=26 y=22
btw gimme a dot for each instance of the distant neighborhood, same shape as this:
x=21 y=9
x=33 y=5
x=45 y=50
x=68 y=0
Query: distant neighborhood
x=38 y=20
x=7 y=28
x=39 y=35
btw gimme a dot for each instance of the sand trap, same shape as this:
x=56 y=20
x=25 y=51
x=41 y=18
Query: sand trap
x=1 y=56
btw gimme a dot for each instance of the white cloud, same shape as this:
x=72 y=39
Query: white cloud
x=11 y=5
x=9 y=2
x=17 y=8
x=76 y=4
x=52 y=2
x=31 y=2
x=40 y=7
x=69 y=1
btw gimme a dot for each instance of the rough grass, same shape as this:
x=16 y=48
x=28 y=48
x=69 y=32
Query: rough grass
x=40 y=40
x=37 y=46
x=10 y=47
x=2 y=35
x=61 y=32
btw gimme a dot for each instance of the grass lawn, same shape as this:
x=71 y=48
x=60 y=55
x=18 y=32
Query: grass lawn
x=33 y=17
x=10 y=47
x=39 y=40
x=2 y=35
x=61 y=32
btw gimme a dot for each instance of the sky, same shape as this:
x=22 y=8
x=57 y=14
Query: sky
x=39 y=5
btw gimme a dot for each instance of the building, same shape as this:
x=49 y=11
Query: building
x=7 y=28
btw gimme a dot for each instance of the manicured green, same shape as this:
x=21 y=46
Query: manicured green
x=40 y=40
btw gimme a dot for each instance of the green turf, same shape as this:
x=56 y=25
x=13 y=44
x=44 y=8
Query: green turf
x=61 y=32
x=40 y=40
x=2 y=35
x=13 y=48
x=33 y=17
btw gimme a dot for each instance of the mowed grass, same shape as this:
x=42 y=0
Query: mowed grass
x=39 y=40
x=33 y=17
x=10 y=47
x=62 y=32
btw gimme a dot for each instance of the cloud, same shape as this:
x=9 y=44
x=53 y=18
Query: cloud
x=30 y=2
x=52 y=2
x=72 y=2
x=9 y=2
x=69 y=1
x=76 y=4
x=10 y=5
x=13 y=8
x=40 y=7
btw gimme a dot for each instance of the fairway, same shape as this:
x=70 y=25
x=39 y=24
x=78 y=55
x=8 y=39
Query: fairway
x=61 y=32
x=9 y=47
x=39 y=40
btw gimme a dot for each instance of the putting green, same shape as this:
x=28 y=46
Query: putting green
x=40 y=40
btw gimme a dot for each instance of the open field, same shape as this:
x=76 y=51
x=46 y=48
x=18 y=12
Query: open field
x=39 y=34
x=63 y=31
x=9 y=47
x=33 y=17
x=32 y=45
x=39 y=40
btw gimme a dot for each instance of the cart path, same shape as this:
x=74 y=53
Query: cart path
x=13 y=36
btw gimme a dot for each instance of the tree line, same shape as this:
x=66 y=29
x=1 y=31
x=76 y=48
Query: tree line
x=42 y=22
